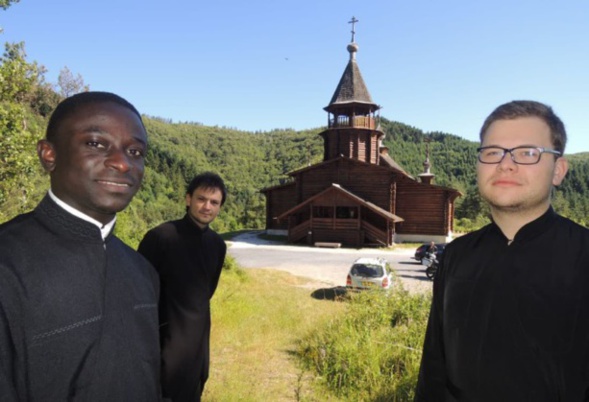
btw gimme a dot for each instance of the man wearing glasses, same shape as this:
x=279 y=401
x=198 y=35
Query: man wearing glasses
x=510 y=313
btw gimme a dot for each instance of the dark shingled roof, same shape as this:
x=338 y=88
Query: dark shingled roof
x=351 y=87
x=388 y=161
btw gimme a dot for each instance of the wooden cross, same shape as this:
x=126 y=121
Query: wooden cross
x=353 y=22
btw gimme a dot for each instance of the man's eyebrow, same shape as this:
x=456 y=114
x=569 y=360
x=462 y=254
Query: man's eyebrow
x=94 y=129
x=139 y=137
x=517 y=146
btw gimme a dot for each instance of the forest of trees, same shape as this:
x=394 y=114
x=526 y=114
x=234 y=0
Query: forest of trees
x=248 y=161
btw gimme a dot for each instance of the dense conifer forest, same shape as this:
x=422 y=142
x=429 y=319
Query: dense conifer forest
x=248 y=161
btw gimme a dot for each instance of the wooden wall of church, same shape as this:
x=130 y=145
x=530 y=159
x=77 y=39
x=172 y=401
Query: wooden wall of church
x=369 y=182
x=352 y=143
x=279 y=200
x=424 y=209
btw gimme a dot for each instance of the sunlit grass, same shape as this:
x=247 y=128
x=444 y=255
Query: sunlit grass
x=277 y=337
x=257 y=319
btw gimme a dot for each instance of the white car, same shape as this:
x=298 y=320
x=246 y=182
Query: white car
x=370 y=273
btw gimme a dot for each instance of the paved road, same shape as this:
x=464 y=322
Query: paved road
x=326 y=265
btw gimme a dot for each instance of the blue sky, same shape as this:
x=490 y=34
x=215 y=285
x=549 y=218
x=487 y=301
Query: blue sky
x=257 y=65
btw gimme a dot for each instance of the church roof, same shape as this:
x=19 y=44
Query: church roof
x=394 y=167
x=351 y=87
x=386 y=159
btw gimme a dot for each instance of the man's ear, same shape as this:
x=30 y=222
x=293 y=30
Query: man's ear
x=561 y=167
x=46 y=153
x=188 y=199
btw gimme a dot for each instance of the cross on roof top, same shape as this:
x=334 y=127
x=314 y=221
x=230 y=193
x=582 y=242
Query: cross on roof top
x=353 y=22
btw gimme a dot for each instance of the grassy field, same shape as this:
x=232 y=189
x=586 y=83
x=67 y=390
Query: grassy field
x=258 y=316
x=277 y=337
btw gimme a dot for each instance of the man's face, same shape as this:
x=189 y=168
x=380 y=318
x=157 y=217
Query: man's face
x=509 y=187
x=96 y=162
x=204 y=205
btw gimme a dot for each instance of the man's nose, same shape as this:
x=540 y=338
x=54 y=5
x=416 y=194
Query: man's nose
x=119 y=160
x=507 y=162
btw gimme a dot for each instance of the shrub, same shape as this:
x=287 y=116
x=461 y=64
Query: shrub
x=231 y=265
x=373 y=351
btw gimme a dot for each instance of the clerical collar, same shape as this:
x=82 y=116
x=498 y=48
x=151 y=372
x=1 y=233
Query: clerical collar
x=193 y=223
x=531 y=229
x=104 y=228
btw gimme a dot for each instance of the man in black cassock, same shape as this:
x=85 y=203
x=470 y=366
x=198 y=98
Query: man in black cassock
x=78 y=307
x=510 y=314
x=188 y=256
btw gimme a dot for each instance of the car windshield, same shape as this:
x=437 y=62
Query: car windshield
x=367 y=270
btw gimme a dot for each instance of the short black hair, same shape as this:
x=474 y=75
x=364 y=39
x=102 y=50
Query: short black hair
x=70 y=105
x=525 y=108
x=207 y=180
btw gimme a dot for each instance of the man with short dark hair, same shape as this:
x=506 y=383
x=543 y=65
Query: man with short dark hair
x=78 y=307
x=510 y=313
x=188 y=256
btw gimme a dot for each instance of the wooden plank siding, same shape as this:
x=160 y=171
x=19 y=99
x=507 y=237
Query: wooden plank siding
x=279 y=200
x=424 y=209
x=359 y=144
x=365 y=227
x=374 y=234
x=298 y=232
x=366 y=181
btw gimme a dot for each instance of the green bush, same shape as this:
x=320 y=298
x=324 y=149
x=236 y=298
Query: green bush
x=466 y=225
x=231 y=265
x=373 y=351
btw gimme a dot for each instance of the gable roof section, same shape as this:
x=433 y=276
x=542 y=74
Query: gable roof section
x=386 y=159
x=285 y=185
x=388 y=164
x=350 y=160
x=360 y=201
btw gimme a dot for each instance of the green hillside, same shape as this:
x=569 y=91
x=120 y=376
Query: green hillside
x=248 y=161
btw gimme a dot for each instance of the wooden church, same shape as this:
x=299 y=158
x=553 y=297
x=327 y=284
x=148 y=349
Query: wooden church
x=358 y=195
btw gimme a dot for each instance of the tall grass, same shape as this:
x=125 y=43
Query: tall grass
x=372 y=351
x=271 y=340
x=257 y=318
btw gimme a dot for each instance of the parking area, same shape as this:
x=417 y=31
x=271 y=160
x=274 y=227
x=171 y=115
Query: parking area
x=328 y=266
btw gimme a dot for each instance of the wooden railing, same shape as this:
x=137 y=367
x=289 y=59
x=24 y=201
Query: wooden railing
x=331 y=223
x=298 y=232
x=355 y=122
x=374 y=233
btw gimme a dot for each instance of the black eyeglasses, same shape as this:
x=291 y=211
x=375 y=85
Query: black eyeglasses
x=520 y=155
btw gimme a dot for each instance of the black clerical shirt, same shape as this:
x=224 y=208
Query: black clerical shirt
x=189 y=262
x=510 y=322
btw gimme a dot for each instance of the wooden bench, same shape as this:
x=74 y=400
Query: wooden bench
x=327 y=244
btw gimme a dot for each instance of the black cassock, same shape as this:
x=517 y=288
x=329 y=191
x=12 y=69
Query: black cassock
x=189 y=261
x=510 y=320
x=78 y=315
